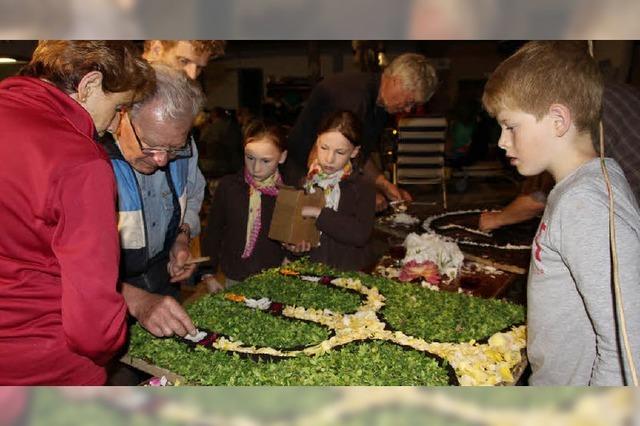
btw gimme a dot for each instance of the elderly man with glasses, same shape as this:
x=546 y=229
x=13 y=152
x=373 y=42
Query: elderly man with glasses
x=160 y=191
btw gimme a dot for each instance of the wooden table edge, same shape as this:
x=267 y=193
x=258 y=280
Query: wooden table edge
x=151 y=369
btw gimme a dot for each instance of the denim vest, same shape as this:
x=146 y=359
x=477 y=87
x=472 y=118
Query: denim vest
x=136 y=267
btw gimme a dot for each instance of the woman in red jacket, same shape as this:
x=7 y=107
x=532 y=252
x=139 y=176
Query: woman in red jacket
x=62 y=316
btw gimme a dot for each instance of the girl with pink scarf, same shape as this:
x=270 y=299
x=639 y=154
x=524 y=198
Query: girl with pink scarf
x=236 y=237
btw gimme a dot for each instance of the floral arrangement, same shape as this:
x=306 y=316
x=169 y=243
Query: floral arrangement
x=369 y=331
x=430 y=257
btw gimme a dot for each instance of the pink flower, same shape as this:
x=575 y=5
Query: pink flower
x=158 y=381
x=426 y=270
x=326 y=280
x=209 y=340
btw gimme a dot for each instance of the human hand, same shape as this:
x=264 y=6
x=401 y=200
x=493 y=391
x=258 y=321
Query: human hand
x=489 y=221
x=160 y=315
x=310 y=211
x=405 y=195
x=381 y=202
x=213 y=285
x=179 y=255
x=301 y=247
x=392 y=192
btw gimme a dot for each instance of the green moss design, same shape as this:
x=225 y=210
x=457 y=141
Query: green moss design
x=293 y=291
x=444 y=317
x=433 y=316
x=370 y=363
x=252 y=326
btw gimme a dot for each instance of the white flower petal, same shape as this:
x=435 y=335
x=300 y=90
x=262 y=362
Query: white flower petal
x=198 y=337
x=310 y=278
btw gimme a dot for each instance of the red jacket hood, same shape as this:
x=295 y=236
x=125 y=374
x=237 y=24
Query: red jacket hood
x=33 y=91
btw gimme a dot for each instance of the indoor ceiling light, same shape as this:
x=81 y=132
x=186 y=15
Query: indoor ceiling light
x=7 y=60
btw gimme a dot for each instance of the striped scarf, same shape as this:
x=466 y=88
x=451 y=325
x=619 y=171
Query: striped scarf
x=330 y=184
x=268 y=187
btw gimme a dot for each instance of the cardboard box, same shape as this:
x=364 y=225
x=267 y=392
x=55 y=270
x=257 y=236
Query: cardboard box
x=287 y=223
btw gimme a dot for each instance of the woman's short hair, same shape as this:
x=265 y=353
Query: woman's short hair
x=65 y=62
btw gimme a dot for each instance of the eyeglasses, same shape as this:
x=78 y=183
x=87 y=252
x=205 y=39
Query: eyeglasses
x=183 y=152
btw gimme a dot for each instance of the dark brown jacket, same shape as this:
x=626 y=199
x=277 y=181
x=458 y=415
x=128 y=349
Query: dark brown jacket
x=226 y=231
x=346 y=233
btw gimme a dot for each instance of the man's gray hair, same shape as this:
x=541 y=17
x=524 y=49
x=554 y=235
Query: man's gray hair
x=176 y=95
x=416 y=74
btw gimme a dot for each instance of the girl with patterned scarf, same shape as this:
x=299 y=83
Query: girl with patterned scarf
x=242 y=207
x=346 y=221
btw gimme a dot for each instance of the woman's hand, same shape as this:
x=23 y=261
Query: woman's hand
x=309 y=211
x=213 y=285
x=301 y=247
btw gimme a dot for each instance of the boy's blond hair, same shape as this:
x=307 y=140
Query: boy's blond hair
x=542 y=73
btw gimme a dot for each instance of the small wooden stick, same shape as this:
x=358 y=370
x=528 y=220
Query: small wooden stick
x=198 y=260
x=501 y=266
x=423 y=203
